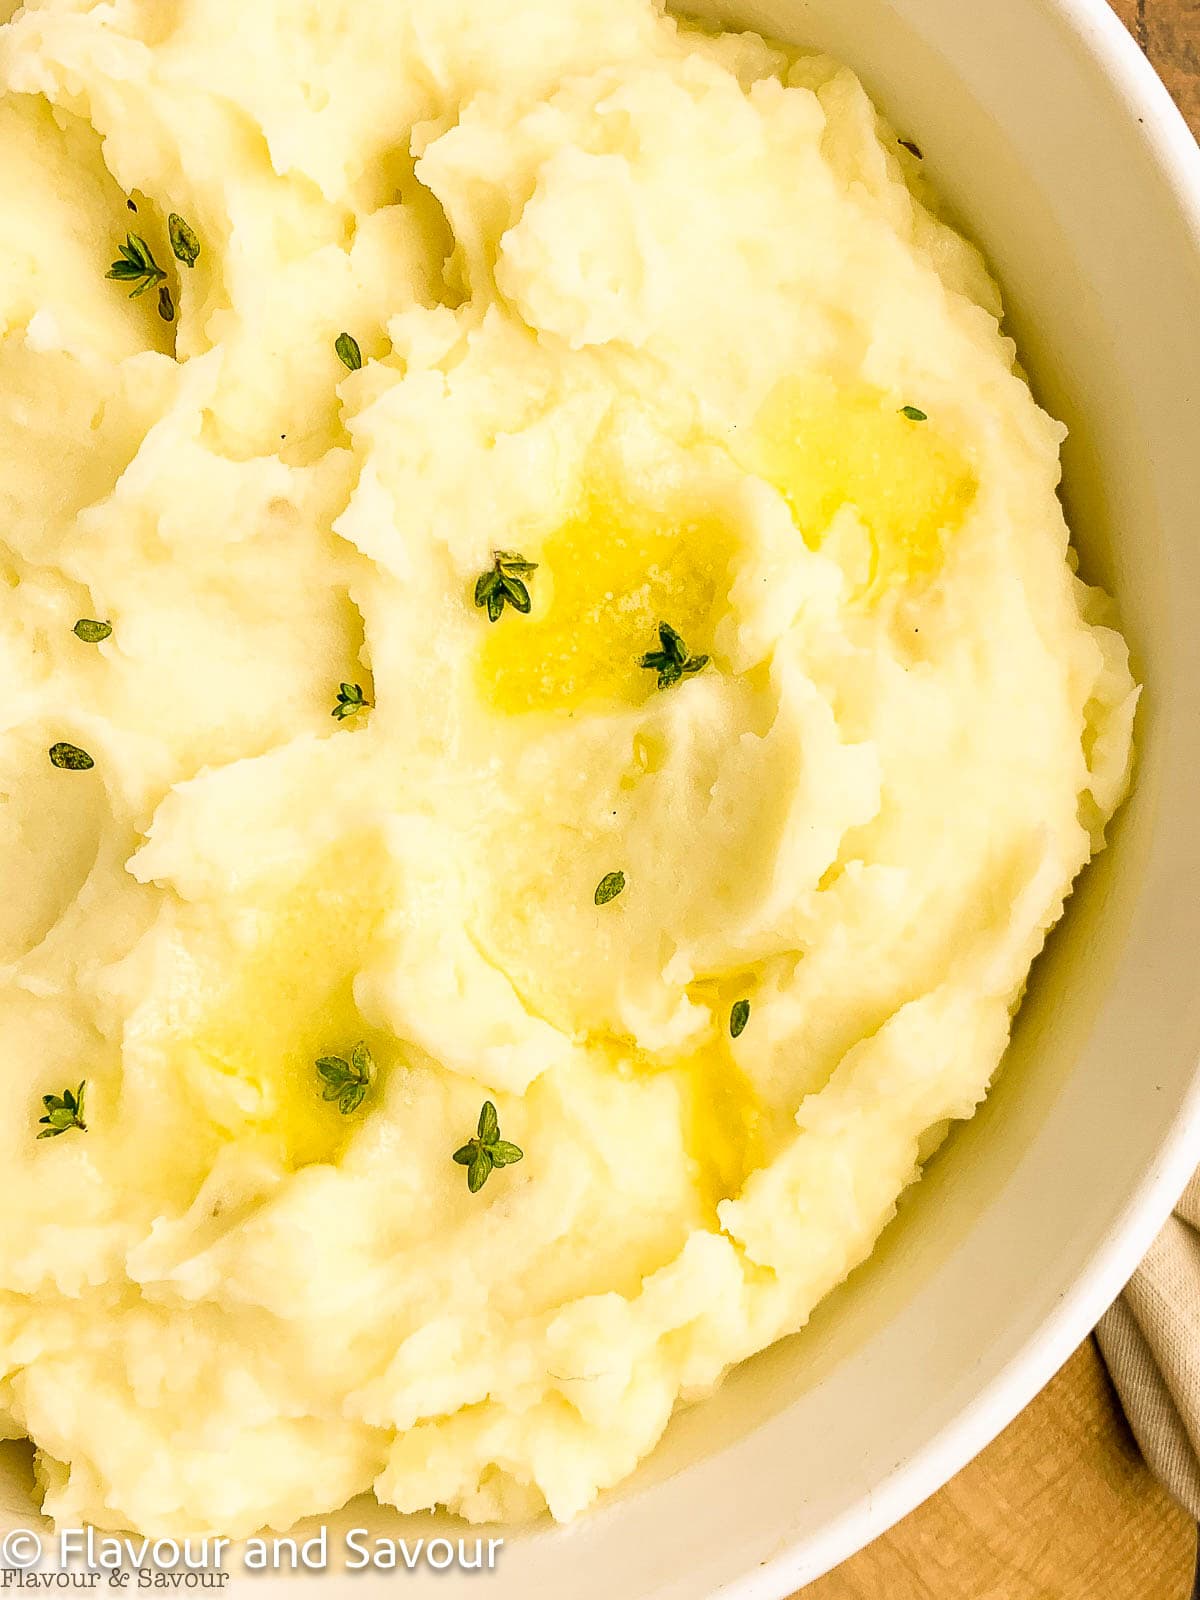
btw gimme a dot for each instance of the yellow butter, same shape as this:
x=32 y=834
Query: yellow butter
x=825 y=446
x=605 y=580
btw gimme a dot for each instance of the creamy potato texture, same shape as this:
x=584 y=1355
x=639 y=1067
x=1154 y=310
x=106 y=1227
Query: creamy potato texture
x=672 y=318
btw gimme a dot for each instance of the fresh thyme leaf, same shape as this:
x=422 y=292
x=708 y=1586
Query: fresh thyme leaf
x=504 y=584
x=63 y=1112
x=166 y=306
x=488 y=1129
x=348 y=351
x=350 y=699
x=92 y=632
x=738 y=1018
x=913 y=149
x=672 y=661
x=70 y=758
x=487 y=1150
x=352 y=1098
x=493 y=596
x=136 y=265
x=913 y=414
x=514 y=565
x=347 y=1081
x=610 y=886
x=184 y=244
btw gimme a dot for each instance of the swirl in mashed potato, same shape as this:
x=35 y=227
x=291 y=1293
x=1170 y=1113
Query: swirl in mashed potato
x=670 y=319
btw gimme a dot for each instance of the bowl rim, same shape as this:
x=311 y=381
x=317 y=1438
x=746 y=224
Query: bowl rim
x=1174 y=150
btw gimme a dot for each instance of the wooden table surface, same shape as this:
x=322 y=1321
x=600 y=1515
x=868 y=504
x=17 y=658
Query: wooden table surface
x=1061 y=1507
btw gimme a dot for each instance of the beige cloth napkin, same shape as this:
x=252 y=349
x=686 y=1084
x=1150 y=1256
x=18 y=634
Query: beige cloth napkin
x=1151 y=1342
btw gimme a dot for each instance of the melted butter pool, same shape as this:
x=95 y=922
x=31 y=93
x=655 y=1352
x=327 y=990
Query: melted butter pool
x=722 y=1119
x=723 y=1122
x=825 y=446
x=605 y=580
x=287 y=999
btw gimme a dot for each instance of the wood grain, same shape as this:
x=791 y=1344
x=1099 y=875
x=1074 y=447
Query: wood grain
x=1169 y=32
x=1061 y=1507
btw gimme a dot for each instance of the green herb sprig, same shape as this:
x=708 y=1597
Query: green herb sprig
x=739 y=1016
x=136 y=266
x=63 y=1112
x=70 y=758
x=504 y=584
x=350 y=699
x=672 y=660
x=91 y=631
x=487 y=1150
x=914 y=414
x=345 y=1081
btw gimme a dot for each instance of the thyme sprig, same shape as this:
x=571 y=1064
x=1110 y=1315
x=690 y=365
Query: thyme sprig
x=487 y=1150
x=136 y=265
x=504 y=584
x=63 y=1112
x=347 y=1081
x=350 y=699
x=672 y=661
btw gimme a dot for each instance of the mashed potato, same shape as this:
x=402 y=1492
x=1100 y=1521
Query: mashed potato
x=574 y=618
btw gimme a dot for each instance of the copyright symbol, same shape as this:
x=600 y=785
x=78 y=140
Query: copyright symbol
x=20 y=1548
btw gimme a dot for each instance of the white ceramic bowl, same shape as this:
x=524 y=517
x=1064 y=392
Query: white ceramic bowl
x=1066 y=160
x=1064 y=157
